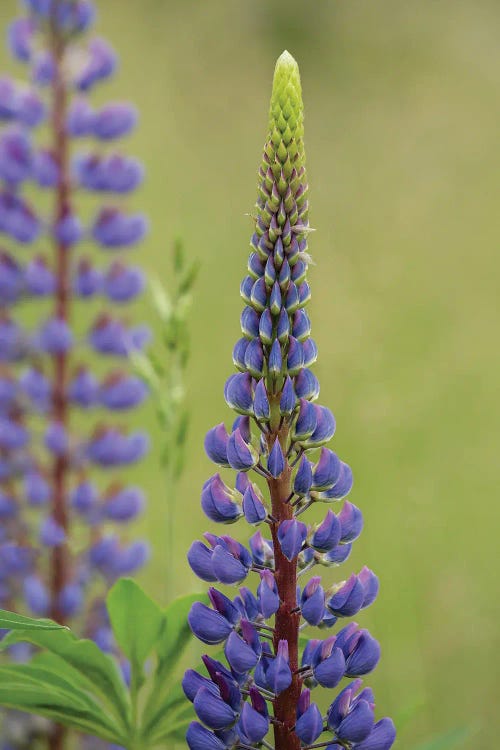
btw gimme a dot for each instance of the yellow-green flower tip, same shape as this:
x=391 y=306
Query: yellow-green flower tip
x=286 y=115
x=282 y=205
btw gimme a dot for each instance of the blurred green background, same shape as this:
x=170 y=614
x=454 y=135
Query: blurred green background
x=402 y=137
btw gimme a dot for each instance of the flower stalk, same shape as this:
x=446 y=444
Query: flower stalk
x=287 y=618
x=280 y=434
x=59 y=563
x=52 y=495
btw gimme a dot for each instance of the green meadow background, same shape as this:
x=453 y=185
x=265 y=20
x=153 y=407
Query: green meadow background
x=402 y=138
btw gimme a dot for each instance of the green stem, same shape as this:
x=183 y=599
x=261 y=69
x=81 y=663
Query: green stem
x=169 y=460
x=169 y=518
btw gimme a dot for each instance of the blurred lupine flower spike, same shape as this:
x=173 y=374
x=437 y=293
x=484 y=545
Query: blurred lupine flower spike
x=57 y=510
x=280 y=436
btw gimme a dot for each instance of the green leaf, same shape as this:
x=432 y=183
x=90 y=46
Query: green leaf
x=144 y=367
x=189 y=279
x=13 y=621
x=46 y=678
x=98 y=670
x=135 y=618
x=54 y=663
x=451 y=739
x=179 y=255
x=161 y=299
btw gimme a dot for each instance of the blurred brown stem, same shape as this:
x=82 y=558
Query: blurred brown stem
x=59 y=558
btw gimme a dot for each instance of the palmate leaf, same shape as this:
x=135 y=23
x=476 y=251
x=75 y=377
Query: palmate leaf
x=72 y=682
x=96 y=670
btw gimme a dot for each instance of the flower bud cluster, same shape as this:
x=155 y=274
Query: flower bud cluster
x=56 y=257
x=279 y=439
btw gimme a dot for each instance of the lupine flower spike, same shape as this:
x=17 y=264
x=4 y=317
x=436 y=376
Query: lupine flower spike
x=47 y=482
x=280 y=434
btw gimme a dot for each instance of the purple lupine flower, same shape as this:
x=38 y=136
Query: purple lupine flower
x=8 y=100
x=11 y=279
x=45 y=169
x=31 y=109
x=114 y=121
x=16 y=156
x=309 y=724
x=253 y=724
x=123 y=503
x=57 y=439
x=312 y=601
x=20 y=36
x=87 y=279
x=51 y=533
x=39 y=278
x=327 y=663
x=113 y=229
x=115 y=173
x=113 y=559
x=110 y=447
x=45 y=489
x=122 y=283
x=17 y=218
x=83 y=388
x=36 y=386
x=84 y=498
x=100 y=63
x=281 y=435
x=253 y=507
x=54 y=336
x=37 y=489
x=122 y=391
x=80 y=118
x=111 y=336
x=68 y=230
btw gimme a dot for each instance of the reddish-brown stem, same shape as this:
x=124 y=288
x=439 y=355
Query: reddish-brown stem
x=287 y=619
x=59 y=562
x=60 y=361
